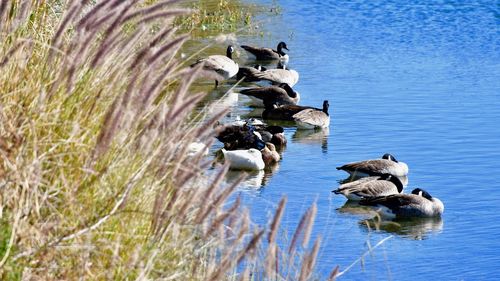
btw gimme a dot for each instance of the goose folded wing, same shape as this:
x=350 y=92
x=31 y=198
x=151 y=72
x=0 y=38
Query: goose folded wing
x=258 y=51
x=369 y=166
x=263 y=92
x=311 y=116
x=393 y=202
x=376 y=188
x=365 y=187
x=210 y=71
x=355 y=185
x=273 y=75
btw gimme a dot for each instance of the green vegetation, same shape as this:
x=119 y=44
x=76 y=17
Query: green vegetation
x=216 y=16
x=95 y=181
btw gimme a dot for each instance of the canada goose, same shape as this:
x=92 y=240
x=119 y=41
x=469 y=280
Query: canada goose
x=281 y=95
x=269 y=154
x=312 y=118
x=273 y=134
x=305 y=116
x=268 y=53
x=219 y=67
x=248 y=73
x=387 y=165
x=278 y=76
x=417 y=204
x=250 y=159
x=250 y=134
x=240 y=137
x=370 y=187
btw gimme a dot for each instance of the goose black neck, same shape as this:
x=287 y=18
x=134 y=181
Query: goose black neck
x=325 y=107
x=229 y=52
x=280 y=50
x=421 y=192
x=291 y=93
x=395 y=180
x=388 y=156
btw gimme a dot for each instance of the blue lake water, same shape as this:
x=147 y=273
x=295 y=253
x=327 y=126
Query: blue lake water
x=418 y=79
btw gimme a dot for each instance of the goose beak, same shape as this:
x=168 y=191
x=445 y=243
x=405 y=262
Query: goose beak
x=286 y=48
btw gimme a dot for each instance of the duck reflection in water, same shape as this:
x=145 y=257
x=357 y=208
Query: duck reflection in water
x=412 y=228
x=353 y=208
x=254 y=180
x=314 y=137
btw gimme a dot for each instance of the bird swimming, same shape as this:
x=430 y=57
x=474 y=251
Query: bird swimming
x=373 y=167
x=281 y=94
x=262 y=53
x=277 y=76
x=218 y=67
x=417 y=204
x=306 y=117
x=250 y=159
x=383 y=185
x=247 y=73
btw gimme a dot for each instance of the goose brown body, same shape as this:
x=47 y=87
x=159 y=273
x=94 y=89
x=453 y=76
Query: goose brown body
x=278 y=76
x=417 y=204
x=218 y=67
x=370 y=187
x=262 y=53
x=387 y=165
x=306 y=117
x=282 y=94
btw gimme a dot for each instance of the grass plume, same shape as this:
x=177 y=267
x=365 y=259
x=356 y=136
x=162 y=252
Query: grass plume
x=95 y=182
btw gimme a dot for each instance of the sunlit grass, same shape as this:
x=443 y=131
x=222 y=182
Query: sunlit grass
x=95 y=120
x=218 y=15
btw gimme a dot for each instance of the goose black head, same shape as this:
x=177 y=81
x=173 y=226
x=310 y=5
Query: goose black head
x=395 y=180
x=229 y=51
x=281 y=46
x=326 y=105
x=421 y=192
x=388 y=156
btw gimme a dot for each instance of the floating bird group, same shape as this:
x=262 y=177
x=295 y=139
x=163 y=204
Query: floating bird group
x=251 y=144
x=378 y=184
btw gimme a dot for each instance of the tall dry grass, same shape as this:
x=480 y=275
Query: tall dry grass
x=95 y=182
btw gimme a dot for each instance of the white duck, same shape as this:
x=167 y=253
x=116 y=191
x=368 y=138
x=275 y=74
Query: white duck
x=250 y=159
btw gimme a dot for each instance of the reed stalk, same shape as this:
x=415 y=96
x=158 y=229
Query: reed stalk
x=95 y=183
